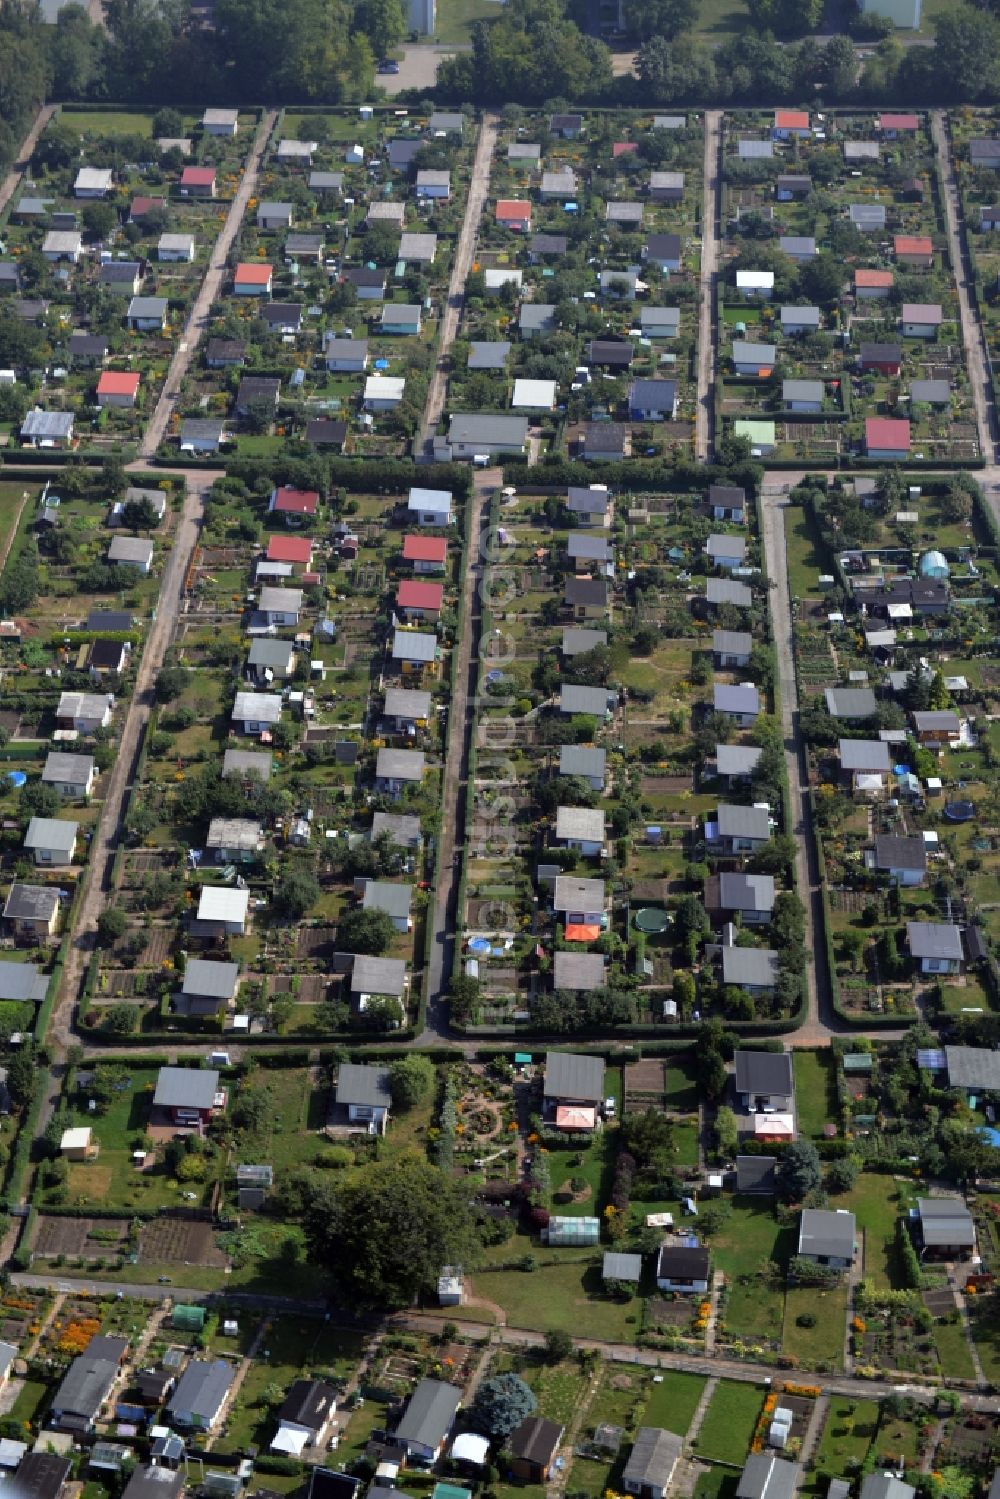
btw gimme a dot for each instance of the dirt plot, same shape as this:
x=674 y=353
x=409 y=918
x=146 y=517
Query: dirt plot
x=670 y=1313
x=159 y=945
x=10 y=721
x=316 y=942
x=143 y=861
x=174 y=1241
x=667 y=785
x=72 y=1235
x=311 y=991
x=645 y=1077
x=939 y=1301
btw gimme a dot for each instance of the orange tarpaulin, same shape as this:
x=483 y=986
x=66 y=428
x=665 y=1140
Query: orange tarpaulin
x=576 y=932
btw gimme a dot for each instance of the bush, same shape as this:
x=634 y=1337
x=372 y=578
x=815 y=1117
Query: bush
x=806 y=1319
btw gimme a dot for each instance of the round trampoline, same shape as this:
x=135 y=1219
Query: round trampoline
x=962 y=811
x=649 y=919
x=16 y=777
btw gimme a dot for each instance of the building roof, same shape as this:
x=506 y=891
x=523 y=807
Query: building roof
x=913 y=244
x=405 y=702
x=400 y=764
x=153 y=308
x=488 y=429
x=85 y=1386
x=886 y=1486
x=22 y=981
x=253 y=273
x=388 y=896
x=767 y=1477
x=154 y=1482
x=946 y=1220
x=219 y=903
x=850 y=702
x=762 y=1072
x=186 y=1088
x=247 y=762
x=887 y=432
x=414 y=645
x=372 y=975
x=579 y=971
x=41 y=1475
x=570 y=893
x=864 y=755
x=582 y=760
x=736 y=759
x=131 y=549
x=358 y=1083
x=802 y=390
x=756 y=967
x=577 y=639
x=827 y=1233
x=973 y=1067
x=746 y=892
x=728 y=591
x=934 y=939
x=585 y=824
x=31 y=903
x=655 y=1452
x=486 y=355
x=39 y=423
x=424 y=548
x=743 y=698
x=429 y=1413
x=201 y=1389
x=892 y=852
x=402 y=827
x=572 y=1074
x=756 y=1173
x=257 y=707
x=682 y=1262
x=536 y=1440
x=206 y=979
x=415 y=594
x=309 y=1402
x=575 y=698
x=732 y=642
x=721 y=546
x=743 y=822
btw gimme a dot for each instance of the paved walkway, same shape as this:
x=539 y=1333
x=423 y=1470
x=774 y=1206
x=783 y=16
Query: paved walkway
x=156 y=428
x=246 y=1364
x=973 y=339
x=461 y=727
x=10 y=183
x=107 y=832
x=813 y=1432
x=479 y=186
x=711 y=1385
x=819 y=1020
x=718 y=1282
x=704 y=427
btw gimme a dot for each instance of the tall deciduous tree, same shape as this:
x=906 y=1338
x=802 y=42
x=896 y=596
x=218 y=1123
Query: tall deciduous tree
x=384 y=1234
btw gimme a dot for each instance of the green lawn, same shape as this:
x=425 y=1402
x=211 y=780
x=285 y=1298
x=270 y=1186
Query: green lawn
x=985 y=1319
x=815 y=1091
x=558 y=1388
x=717 y=1483
x=847 y=1435
x=681 y=1088
x=751 y=1236
x=12 y=496
x=953 y=1350
x=822 y=1346
x=108 y=122
x=567 y=1294
x=720 y=19
x=729 y=1422
x=896 y=1442
x=804 y=554
x=456 y=17
x=673 y=1402
x=29 y=1401
x=877 y=1202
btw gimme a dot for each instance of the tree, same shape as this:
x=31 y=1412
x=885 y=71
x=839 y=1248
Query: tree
x=646 y=1133
x=799 y=1172
x=649 y=18
x=501 y=1404
x=966 y=56
x=383 y=23
x=297 y=890
x=558 y=1345
x=121 y=1020
x=99 y=219
x=365 y=931
x=957 y=501
x=841 y=1175
x=411 y=1079
x=171 y=682
x=725 y=1131
x=112 y=923
x=21 y=1075
x=384 y=1233
x=786 y=17
x=251 y=1110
